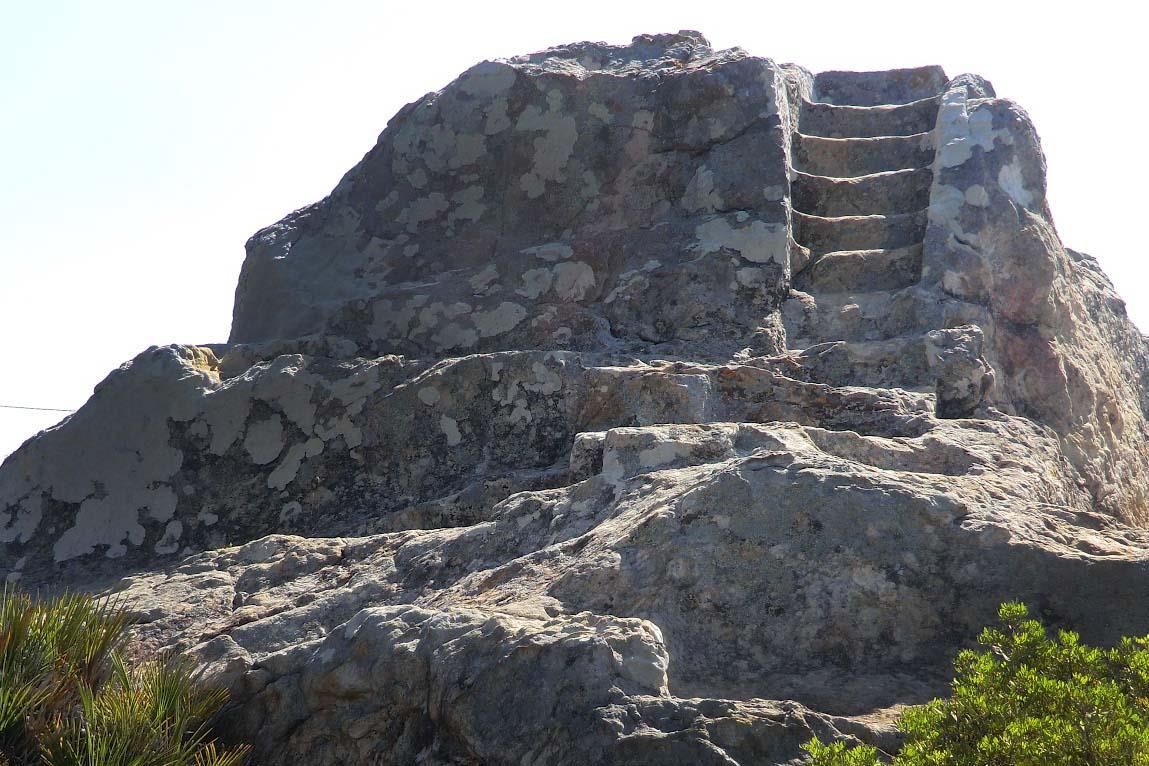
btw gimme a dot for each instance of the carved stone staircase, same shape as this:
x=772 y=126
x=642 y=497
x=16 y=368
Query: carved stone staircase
x=862 y=168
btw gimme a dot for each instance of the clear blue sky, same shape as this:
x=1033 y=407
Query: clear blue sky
x=143 y=142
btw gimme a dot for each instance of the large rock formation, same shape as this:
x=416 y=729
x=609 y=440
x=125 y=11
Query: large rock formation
x=636 y=404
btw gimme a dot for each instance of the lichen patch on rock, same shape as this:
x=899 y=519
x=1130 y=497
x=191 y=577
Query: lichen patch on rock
x=624 y=404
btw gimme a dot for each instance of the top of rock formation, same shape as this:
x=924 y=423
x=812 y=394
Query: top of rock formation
x=685 y=389
x=522 y=205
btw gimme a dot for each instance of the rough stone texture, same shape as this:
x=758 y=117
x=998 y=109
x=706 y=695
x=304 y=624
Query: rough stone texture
x=625 y=404
x=964 y=377
x=1056 y=330
x=586 y=197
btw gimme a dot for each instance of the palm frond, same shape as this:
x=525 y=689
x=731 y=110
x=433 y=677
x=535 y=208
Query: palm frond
x=67 y=694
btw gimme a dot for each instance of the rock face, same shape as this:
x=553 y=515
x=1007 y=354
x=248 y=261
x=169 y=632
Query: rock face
x=587 y=198
x=641 y=404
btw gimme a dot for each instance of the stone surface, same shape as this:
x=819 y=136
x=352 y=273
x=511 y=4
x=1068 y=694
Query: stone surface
x=626 y=404
x=586 y=197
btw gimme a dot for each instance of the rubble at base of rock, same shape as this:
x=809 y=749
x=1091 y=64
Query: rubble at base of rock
x=626 y=404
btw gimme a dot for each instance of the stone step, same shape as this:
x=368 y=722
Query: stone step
x=822 y=234
x=891 y=86
x=901 y=362
x=849 y=157
x=833 y=121
x=892 y=192
x=810 y=319
x=862 y=270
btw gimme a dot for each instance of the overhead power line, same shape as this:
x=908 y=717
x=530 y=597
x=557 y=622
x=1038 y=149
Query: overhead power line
x=38 y=409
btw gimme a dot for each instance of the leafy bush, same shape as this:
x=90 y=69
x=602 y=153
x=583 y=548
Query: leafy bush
x=1026 y=699
x=68 y=698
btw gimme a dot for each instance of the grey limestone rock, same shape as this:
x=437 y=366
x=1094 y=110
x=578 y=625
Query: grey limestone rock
x=625 y=404
x=588 y=197
x=964 y=378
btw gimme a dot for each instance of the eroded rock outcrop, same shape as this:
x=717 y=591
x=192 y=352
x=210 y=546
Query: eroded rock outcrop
x=625 y=404
x=584 y=198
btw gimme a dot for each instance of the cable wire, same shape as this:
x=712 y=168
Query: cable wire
x=38 y=409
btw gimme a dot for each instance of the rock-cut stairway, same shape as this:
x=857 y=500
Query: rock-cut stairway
x=860 y=189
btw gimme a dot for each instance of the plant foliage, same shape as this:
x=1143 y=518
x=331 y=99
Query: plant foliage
x=68 y=698
x=1026 y=699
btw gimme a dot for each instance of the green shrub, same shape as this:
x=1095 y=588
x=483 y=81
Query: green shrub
x=68 y=698
x=1026 y=699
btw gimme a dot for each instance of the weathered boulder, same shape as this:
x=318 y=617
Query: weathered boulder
x=625 y=404
x=587 y=197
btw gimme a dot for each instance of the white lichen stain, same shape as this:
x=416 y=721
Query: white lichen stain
x=288 y=468
x=600 y=112
x=21 y=523
x=945 y=203
x=633 y=281
x=759 y=242
x=497 y=119
x=504 y=318
x=392 y=197
x=455 y=335
x=450 y=428
x=288 y=385
x=487 y=78
x=424 y=209
x=469 y=205
x=133 y=487
x=72 y=463
x=162 y=503
x=264 y=440
x=391 y=320
x=1010 y=179
x=469 y=148
x=750 y=277
x=553 y=149
x=484 y=279
x=550 y=252
x=431 y=320
x=103 y=521
x=573 y=280
x=228 y=413
x=960 y=130
x=700 y=194
x=170 y=541
x=547 y=381
x=535 y=282
x=353 y=391
x=976 y=196
x=532 y=185
x=290 y=512
x=591 y=189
